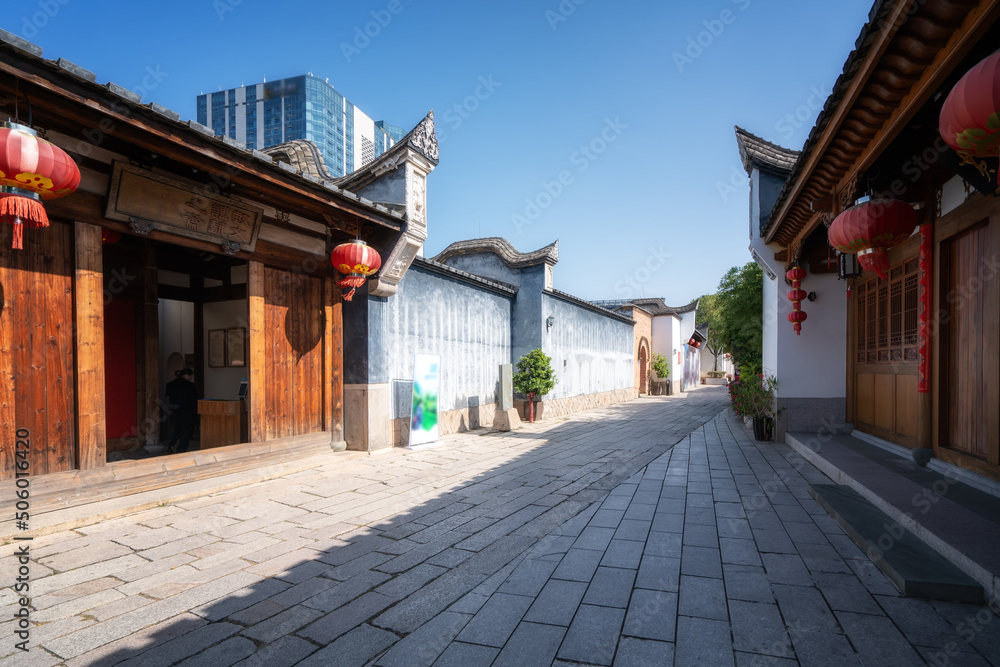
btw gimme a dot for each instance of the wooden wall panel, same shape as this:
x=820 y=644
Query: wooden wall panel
x=865 y=392
x=258 y=352
x=91 y=390
x=907 y=406
x=37 y=358
x=885 y=402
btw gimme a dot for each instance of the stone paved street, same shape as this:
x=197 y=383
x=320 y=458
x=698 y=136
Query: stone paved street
x=654 y=532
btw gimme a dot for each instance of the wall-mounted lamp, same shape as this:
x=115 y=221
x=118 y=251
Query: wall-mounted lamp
x=811 y=296
x=549 y=321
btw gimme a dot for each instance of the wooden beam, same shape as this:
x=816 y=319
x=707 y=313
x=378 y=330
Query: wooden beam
x=257 y=361
x=150 y=426
x=91 y=417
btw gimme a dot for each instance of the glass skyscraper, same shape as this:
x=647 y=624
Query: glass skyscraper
x=301 y=107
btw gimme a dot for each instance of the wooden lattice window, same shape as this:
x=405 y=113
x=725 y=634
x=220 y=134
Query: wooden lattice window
x=887 y=317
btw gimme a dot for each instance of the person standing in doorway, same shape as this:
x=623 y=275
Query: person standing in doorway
x=182 y=397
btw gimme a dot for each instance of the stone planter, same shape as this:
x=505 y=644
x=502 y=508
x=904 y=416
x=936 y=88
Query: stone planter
x=715 y=380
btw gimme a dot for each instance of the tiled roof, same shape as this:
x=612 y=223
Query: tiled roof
x=62 y=67
x=652 y=305
x=589 y=305
x=438 y=267
x=754 y=150
x=502 y=248
x=303 y=155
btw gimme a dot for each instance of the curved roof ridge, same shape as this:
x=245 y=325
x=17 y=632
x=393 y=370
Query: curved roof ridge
x=303 y=155
x=503 y=249
x=765 y=153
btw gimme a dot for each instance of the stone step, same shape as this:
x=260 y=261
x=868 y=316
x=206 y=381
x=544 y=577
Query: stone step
x=913 y=567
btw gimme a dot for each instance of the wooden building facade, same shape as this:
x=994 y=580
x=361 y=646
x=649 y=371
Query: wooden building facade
x=236 y=241
x=879 y=135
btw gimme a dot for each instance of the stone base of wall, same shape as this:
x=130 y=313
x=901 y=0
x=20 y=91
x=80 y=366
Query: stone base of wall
x=452 y=421
x=809 y=415
x=562 y=407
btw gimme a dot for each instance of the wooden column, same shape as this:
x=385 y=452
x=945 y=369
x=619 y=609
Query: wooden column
x=333 y=403
x=150 y=425
x=91 y=417
x=258 y=358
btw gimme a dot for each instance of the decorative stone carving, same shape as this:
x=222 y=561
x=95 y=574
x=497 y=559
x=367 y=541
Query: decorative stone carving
x=423 y=138
x=140 y=226
x=230 y=247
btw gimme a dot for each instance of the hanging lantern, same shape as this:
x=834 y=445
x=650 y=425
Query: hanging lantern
x=356 y=260
x=110 y=236
x=796 y=295
x=31 y=169
x=870 y=229
x=970 y=115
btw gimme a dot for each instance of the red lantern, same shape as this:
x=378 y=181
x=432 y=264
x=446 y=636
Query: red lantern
x=356 y=260
x=870 y=229
x=110 y=236
x=797 y=316
x=970 y=115
x=31 y=169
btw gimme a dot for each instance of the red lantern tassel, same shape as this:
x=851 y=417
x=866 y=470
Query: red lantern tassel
x=876 y=260
x=18 y=210
x=350 y=283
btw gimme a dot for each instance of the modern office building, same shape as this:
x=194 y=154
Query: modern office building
x=301 y=107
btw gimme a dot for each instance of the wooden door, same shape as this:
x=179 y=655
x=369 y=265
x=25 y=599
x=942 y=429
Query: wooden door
x=971 y=413
x=37 y=349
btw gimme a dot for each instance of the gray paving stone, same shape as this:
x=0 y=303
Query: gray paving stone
x=285 y=652
x=659 y=573
x=700 y=515
x=342 y=593
x=663 y=544
x=557 y=603
x=630 y=529
x=227 y=653
x=843 y=592
x=578 y=565
x=429 y=601
x=871 y=578
x=651 y=615
x=701 y=536
x=739 y=552
x=877 y=641
x=951 y=656
x=702 y=642
x=610 y=587
x=184 y=646
x=494 y=623
x=531 y=644
x=734 y=528
x=804 y=608
x=356 y=647
x=977 y=625
x=823 y=649
x=786 y=569
x=593 y=635
x=668 y=522
x=634 y=652
x=701 y=562
x=423 y=646
x=624 y=554
x=285 y=623
x=703 y=598
x=808 y=533
x=594 y=538
x=409 y=582
x=338 y=622
x=467 y=655
x=758 y=628
x=607 y=518
x=758 y=660
x=528 y=578
x=774 y=541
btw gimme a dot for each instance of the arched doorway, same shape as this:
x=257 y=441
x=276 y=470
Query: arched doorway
x=643 y=370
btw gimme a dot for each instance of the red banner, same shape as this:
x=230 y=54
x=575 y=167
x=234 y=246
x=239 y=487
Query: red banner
x=924 y=309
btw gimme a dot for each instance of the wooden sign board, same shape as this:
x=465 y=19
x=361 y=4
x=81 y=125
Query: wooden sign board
x=142 y=197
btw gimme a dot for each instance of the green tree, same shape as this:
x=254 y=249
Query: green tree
x=534 y=377
x=739 y=314
x=708 y=315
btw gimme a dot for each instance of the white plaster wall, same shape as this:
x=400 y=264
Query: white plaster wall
x=666 y=331
x=770 y=331
x=812 y=365
x=223 y=383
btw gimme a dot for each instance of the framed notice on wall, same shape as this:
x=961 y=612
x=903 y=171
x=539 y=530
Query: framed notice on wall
x=424 y=408
x=217 y=348
x=236 y=346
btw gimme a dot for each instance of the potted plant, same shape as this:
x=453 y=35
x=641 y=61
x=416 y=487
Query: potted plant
x=534 y=377
x=661 y=366
x=753 y=398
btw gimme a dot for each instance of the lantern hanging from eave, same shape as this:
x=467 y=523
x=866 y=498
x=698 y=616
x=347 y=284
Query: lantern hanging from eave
x=31 y=169
x=970 y=115
x=356 y=260
x=110 y=236
x=870 y=229
x=796 y=295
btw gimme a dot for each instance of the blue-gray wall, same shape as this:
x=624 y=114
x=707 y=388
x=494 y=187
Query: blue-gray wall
x=770 y=188
x=486 y=265
x=468 y=326
x=590 y=352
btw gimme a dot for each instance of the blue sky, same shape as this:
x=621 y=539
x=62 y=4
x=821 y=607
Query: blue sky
x=607 y=125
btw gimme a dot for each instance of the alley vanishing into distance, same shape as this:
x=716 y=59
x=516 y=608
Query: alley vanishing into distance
x=647 y=533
